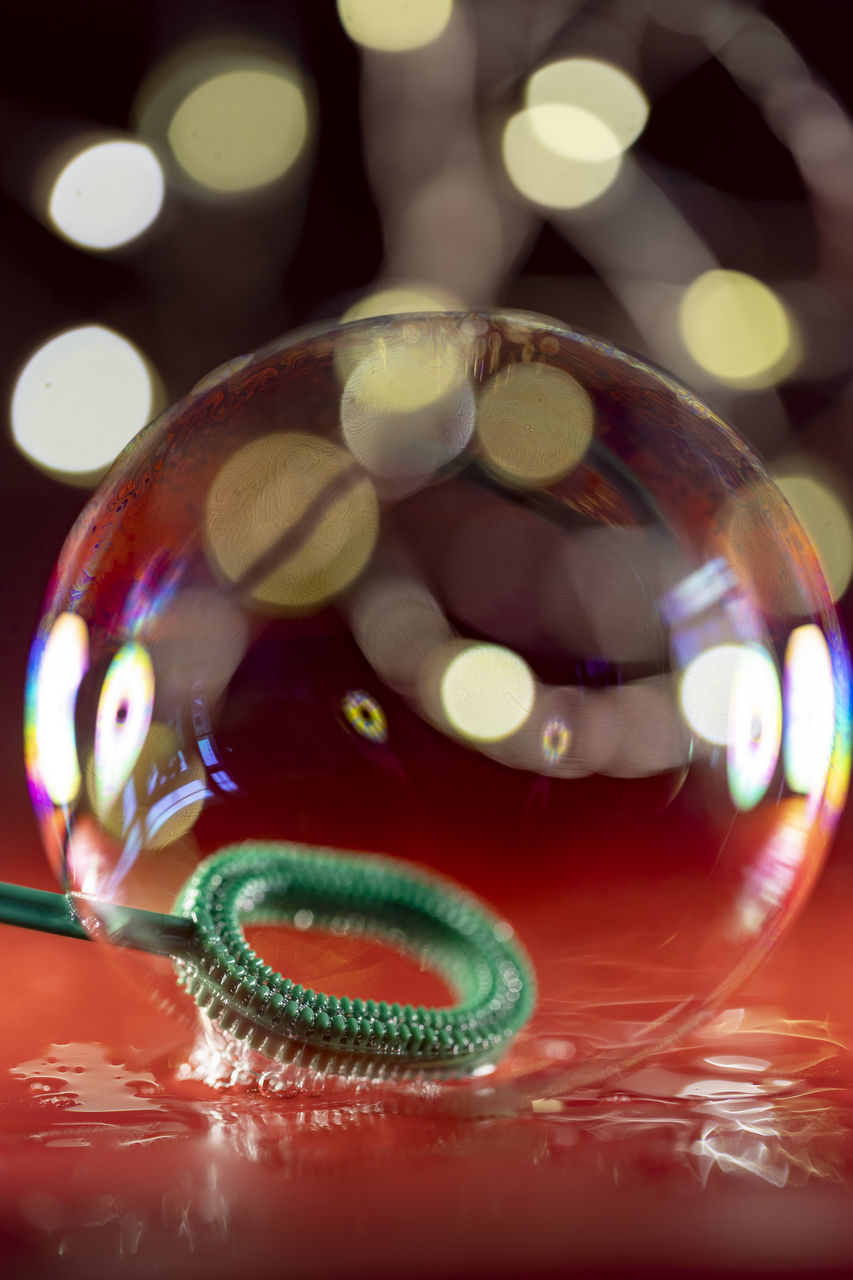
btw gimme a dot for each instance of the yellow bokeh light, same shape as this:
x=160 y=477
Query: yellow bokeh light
x=394 y=26
x=737 y=329
x=534 y=423
x=407 y=407
x=79 y=400
x=240 y=129
x=487 y=692
x=546 y=176
x=827 y=522
x=401 y=300
x=593 y=110
x=406 y=372
x=107 y=194
x=574 y=132
x=291 y=520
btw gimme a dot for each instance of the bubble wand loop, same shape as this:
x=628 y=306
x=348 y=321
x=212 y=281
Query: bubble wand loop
x=444 y=926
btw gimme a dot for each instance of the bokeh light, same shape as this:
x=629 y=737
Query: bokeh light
x=549 y=177
x=107 y=194
x=588 y=109
x=79 y=399
x=487 y=691
x=403 y=416
x=825 y=518
x=534 y=423
x=737 y=329
x=291 y=521
x=706 y=691
x=240 y=129
x=394 y=26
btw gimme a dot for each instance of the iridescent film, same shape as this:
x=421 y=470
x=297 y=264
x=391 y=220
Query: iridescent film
x=479 y=593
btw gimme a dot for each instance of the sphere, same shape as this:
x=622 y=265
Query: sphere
x=478 y=594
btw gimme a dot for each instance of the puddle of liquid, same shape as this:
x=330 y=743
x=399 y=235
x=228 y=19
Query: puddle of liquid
x=116 y=1151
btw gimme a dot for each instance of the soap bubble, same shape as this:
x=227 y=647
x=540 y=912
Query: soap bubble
x=474 y=592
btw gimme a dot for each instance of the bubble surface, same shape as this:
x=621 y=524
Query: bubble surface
x=476 y=592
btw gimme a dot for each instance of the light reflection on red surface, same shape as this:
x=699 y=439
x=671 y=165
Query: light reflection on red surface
x=730 y=1152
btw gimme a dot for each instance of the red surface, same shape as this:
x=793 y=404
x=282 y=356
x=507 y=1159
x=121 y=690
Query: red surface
x=112 y=1165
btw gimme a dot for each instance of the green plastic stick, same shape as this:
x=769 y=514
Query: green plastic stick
x=416 y=912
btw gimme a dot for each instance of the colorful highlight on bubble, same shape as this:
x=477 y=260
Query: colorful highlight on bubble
x=365 y=715
x=755 y=726
x=556 y=738
x=56 y=672
x=123 y=719
x=809 y=710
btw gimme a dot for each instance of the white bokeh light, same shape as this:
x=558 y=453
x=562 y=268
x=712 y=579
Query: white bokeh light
x=79 y=399
x=487 y=692
x=107 y=194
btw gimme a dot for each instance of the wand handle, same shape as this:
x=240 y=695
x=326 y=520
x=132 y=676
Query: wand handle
x=152 y=931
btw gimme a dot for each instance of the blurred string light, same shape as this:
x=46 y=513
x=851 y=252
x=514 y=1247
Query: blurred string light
x=807 y=118
x=79 y=399
x=487 y=692
x=448 y=220
x=394 y=26
x=291 y=521
x=727 y=329
x=564 y=149
x=106 y=194
x=737 y=329
x=407 y=406
x=548 y=177
x=595 y=109
x=534 y=423
x=824 y=516
x=234 y=114
x=239 y=130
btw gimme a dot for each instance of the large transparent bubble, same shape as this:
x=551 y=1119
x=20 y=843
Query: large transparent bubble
x=474 y=592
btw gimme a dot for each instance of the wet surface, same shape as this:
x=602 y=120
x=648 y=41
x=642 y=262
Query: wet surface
x=124 y=1152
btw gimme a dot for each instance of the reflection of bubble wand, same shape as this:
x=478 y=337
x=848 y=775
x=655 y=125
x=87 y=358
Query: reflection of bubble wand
x=445 y=927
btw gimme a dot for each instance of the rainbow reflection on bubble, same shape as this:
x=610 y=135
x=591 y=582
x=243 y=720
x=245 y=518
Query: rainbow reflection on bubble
x=525 y=613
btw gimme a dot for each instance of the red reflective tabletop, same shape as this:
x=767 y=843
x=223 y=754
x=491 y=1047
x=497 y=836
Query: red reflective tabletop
x=731 y=1153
